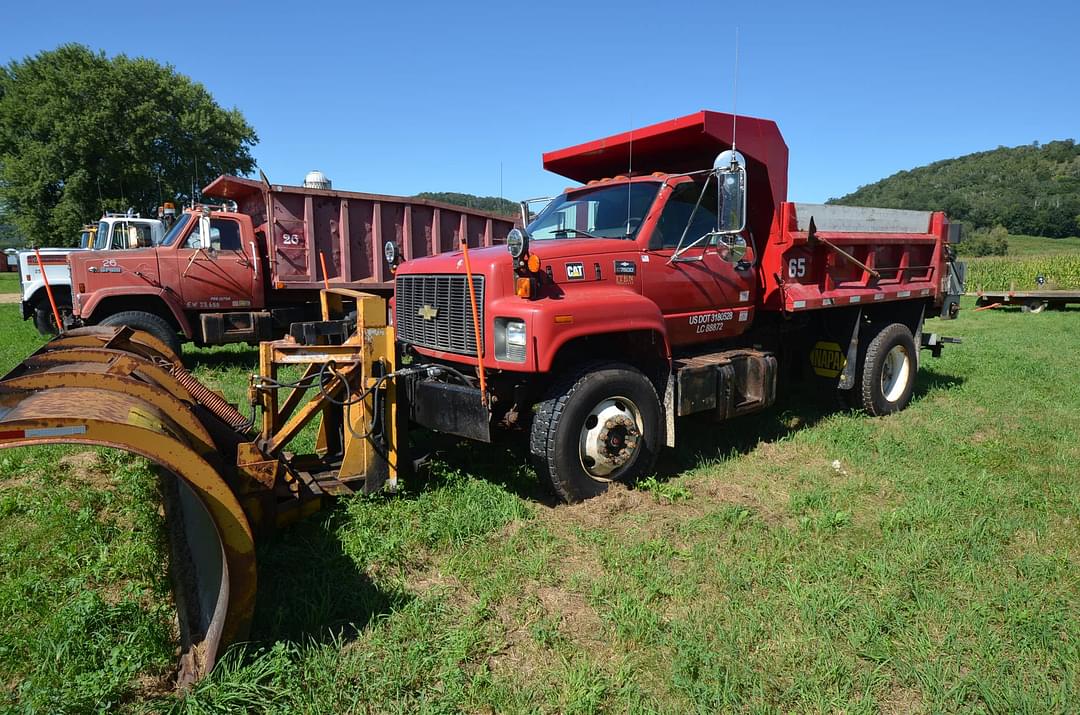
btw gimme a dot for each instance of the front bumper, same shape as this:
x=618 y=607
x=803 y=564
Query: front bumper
x=448 y=408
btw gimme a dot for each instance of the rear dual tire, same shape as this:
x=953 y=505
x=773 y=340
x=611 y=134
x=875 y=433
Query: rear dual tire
x=885 y=374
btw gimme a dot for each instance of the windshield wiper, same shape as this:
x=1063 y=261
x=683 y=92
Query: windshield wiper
x=575 y=230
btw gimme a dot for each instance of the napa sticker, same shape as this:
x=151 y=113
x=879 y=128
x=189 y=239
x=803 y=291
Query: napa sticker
x=575 y=271
x=827 y=359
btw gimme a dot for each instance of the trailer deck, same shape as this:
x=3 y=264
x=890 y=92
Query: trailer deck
x=1031 y=301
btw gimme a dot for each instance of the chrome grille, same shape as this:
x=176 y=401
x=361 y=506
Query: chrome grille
x=434 y=311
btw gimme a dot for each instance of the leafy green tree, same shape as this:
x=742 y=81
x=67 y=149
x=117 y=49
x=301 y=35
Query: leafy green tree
x=982 y=242
x=82 y=133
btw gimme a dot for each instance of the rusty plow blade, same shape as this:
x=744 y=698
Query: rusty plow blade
x=114 y=387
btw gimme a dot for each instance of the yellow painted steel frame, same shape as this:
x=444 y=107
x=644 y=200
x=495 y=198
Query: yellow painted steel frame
x=368 y=352
x=109 y=387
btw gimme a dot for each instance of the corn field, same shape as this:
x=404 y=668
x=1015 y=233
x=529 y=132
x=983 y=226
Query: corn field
x=1061 y=272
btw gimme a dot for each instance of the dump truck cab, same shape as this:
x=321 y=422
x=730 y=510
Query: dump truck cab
x=207 y=261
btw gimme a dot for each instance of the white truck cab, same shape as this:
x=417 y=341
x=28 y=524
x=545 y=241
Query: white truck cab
x=115 y=231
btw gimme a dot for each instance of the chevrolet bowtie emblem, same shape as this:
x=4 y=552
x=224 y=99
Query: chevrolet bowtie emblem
x=427 y=312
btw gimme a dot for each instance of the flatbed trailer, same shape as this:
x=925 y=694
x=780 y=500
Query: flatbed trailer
x=1030 y=301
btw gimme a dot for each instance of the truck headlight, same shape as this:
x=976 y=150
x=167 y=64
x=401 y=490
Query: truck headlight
x=510 y=339
x=517 y=242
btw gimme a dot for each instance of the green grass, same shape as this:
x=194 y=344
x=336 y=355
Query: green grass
x=800 y=560
x=1023 y=246
x=9 y=282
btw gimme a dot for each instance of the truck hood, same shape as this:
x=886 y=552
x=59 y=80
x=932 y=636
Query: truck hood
x=131 y=270
x=567 y=261
x=497 y=258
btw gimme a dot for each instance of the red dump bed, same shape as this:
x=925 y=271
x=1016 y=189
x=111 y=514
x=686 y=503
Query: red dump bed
x=348 y=229
x=894 y=255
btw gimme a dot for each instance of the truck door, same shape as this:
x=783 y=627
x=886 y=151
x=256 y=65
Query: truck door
x=703 y=294
x=215 y=271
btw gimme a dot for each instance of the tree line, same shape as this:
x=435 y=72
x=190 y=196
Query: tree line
x=1032 y=189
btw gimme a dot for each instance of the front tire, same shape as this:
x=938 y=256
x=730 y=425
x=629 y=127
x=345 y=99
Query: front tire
x=887 y=371
x=44 y=320
x=149 y=323
x=601 y=424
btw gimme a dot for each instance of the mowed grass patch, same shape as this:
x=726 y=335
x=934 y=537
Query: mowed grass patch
x=798 y=560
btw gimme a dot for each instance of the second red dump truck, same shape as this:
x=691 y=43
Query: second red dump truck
x=689 y=286
x=245 y=271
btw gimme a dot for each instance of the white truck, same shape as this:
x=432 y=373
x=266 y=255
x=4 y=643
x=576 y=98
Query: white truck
x=115 y=231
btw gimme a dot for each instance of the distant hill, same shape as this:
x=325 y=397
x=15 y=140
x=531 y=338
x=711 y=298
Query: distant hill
x=483 y=203
x=1031 y=189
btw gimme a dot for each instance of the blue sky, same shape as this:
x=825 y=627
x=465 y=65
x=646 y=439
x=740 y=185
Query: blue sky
x=406 y=97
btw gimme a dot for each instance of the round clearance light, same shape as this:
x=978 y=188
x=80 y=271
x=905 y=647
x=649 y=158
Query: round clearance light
x=516 y=242
x=390 y=252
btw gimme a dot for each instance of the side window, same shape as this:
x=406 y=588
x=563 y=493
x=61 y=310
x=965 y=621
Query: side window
x=677 y=211
x=224 y=236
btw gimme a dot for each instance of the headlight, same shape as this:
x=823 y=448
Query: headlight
x=390 y=252
x=516 y=242
x=515 y=333
x=510 y=339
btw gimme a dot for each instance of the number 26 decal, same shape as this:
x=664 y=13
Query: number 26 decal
x=796 y=268
x=290 y=239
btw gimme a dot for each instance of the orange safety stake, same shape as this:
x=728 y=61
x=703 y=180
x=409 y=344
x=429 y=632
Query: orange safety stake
x=48 y=292
x=325 y=278
x=476 y=322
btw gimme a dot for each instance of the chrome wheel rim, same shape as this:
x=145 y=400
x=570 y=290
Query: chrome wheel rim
x=610 y=437
x=895 y=373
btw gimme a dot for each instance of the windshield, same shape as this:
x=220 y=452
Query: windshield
x=176 y=230
x=101 y=241
x=606 y=212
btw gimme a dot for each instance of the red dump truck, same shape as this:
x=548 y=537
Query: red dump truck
x=686 y=286
x=245 y=271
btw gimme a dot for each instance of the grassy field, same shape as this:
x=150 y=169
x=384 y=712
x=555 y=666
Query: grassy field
x=1023 y=246
x=801 y=560
x=9 y=283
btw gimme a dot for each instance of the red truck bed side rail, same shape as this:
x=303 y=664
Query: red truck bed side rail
x=898 y=255
x=348 y=229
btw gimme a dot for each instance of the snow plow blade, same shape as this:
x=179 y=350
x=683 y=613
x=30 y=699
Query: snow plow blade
x=112 y=388
x=222 y=483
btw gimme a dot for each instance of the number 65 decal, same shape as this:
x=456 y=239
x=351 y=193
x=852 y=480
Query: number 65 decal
x=796 y=268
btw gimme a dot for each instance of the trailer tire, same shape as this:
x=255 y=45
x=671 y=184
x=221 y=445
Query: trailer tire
x=887 y=370
x=580 y=460
x=1034 y=305
x=149 y=323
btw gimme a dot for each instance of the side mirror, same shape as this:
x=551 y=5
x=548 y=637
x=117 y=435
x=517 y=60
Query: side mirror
x=731 y=200
x=730 y=168
x=733 y=248
x=204 y=231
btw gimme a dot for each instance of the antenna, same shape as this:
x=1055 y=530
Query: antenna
x=629 y=173
x=735 y=92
